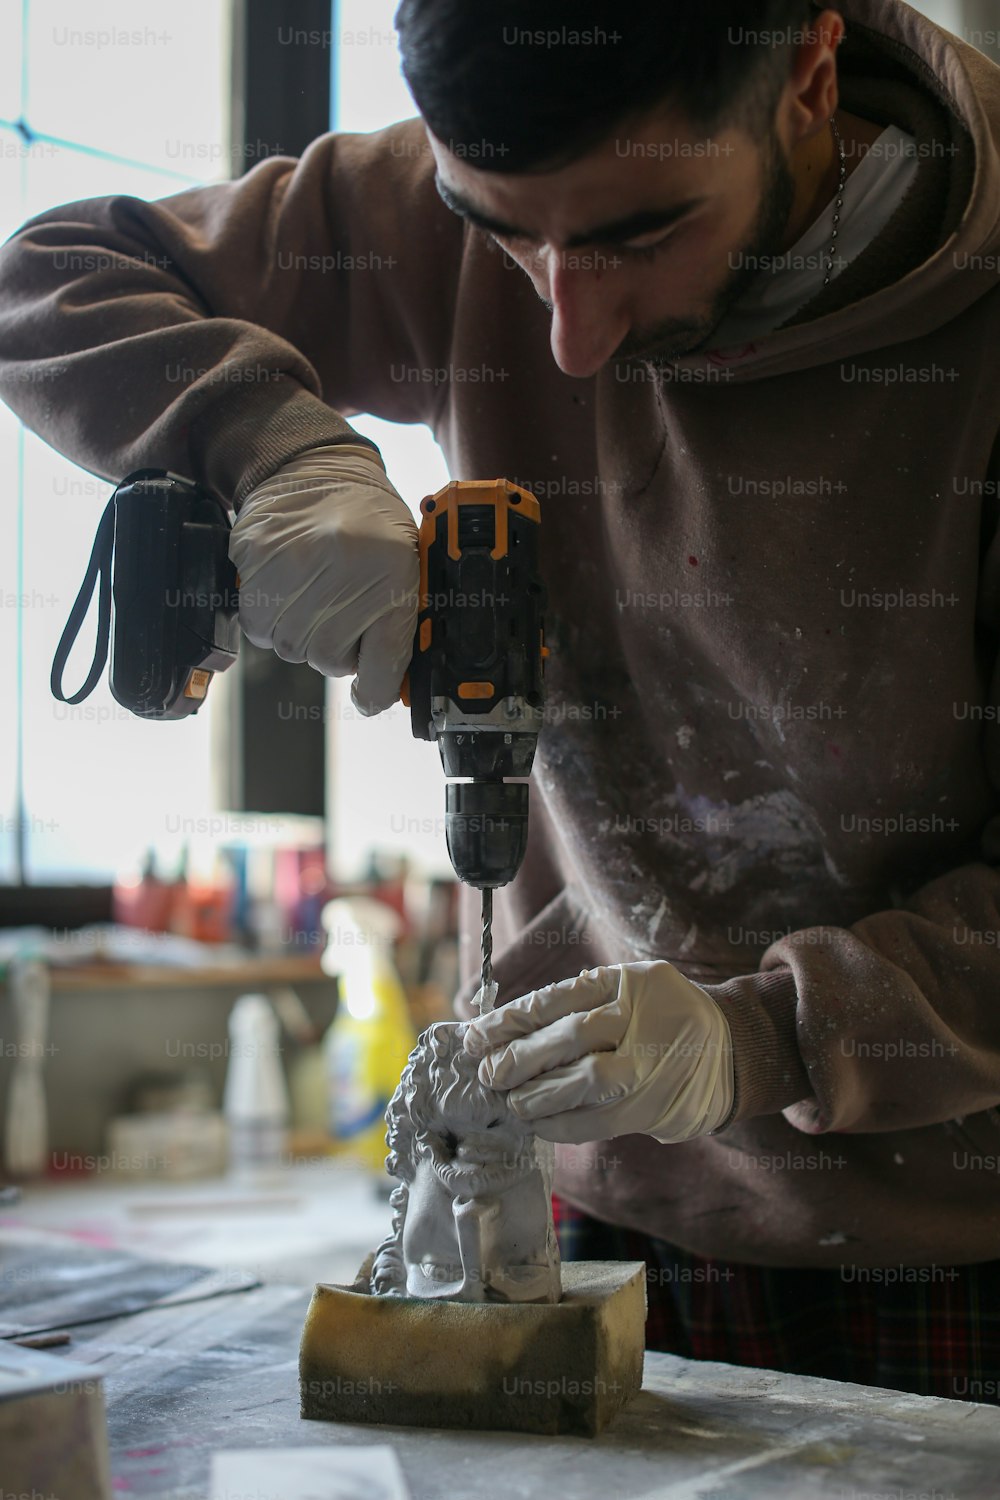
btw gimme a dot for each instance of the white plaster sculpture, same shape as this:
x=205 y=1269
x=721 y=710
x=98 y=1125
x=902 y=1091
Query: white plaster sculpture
x=472 y=1215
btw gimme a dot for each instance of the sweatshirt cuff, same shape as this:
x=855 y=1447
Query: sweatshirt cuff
x=247 y=436
x=769 y=1072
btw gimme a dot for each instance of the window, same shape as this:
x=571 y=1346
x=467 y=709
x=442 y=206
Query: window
x=96 y=99
x=368 y=757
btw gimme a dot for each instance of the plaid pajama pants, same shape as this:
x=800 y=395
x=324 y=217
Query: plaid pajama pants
x=933 y=1330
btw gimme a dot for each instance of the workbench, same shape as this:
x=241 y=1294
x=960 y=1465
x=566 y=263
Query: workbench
x=185 y=1381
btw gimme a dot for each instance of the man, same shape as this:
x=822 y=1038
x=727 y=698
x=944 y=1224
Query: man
x=751 y=372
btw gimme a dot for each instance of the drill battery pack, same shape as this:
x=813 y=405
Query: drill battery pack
x=161 y=559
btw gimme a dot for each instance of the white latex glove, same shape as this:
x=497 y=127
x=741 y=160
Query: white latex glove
x=326 y=552
x=631 y=1048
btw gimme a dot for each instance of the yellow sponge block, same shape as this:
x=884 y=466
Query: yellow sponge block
x=563 y=1367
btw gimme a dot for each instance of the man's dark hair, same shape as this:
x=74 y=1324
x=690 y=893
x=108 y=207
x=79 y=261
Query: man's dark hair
x=530 y=85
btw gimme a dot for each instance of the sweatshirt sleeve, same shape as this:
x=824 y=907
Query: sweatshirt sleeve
x=894 y=1023
x=222 y=330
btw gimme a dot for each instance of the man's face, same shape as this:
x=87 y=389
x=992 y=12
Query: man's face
x=642 y=245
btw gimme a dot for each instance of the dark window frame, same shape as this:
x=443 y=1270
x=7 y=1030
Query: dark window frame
x=281 y=101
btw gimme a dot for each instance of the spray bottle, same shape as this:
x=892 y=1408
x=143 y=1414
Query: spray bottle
x=371 y=1036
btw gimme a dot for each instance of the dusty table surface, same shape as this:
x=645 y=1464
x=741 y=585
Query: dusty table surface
x=186 y=1381
x=296 y=1225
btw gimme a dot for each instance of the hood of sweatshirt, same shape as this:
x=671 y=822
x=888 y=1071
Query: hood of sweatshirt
x=940 y=251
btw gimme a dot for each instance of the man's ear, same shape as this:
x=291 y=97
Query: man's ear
x=810 y=95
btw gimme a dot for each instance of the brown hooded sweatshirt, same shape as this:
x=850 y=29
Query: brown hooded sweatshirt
x=772 y=753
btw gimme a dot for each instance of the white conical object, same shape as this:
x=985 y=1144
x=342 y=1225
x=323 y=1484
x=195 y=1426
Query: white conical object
x=27 y=1136
x=255 y=1101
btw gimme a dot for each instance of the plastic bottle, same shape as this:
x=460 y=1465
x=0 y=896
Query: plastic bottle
x=255 y=1101
x=27 y=1143
x=141 y=899
x=371 y=1036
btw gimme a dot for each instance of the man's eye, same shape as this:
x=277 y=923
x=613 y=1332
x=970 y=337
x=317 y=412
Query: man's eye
x=647 y=252
x=521 y=244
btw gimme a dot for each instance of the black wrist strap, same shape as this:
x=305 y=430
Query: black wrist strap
x=99 y=567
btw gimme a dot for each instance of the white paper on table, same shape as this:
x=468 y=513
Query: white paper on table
x=368 y=1473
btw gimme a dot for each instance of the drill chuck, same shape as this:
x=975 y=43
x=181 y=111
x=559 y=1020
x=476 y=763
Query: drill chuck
x=486 y=827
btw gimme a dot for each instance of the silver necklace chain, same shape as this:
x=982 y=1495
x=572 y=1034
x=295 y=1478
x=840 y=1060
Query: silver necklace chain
x=838 y=204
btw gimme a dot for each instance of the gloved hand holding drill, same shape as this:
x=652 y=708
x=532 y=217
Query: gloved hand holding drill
x=620 y=1050
x=326 y=552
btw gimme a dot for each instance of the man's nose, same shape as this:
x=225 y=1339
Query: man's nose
x=589 y=316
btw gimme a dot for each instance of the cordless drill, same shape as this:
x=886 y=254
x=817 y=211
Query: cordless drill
x=474 y=682
x=475 y=679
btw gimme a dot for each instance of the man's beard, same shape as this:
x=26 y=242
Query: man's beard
x=679 y=336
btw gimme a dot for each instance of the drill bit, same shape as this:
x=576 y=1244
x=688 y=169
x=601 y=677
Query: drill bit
x=486 y=999
x=487 y=938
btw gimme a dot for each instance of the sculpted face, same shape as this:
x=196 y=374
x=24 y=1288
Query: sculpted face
x=474 y=1217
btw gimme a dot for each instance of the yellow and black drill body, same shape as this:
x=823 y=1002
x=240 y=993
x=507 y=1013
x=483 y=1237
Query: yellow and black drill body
x=475 y=683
